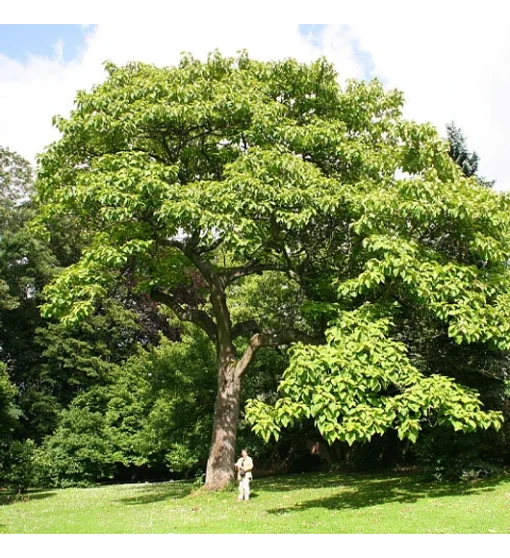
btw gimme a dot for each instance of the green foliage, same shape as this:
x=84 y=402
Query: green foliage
x=20 y=466
x=61 y=362
x=24 y=260
x=467 y=161
x=15 y=178
x=362 y=383
x=271 y=299
x=155 y=411
x=234 y=167
x=26 y=264
x=160 y=411
x=79 y=452
x=446 y=455
x=434 y=244
x=238 y=156
x=8 y=412
x=9 y=415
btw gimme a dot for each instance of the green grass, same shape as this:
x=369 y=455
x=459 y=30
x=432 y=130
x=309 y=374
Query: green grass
x=324 y=503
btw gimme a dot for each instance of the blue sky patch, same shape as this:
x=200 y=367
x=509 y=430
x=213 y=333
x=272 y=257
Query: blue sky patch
x=20 y=41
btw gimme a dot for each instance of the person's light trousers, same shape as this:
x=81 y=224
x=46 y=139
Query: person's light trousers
x=244 y=488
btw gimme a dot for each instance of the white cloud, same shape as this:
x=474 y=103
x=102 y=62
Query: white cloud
x=450 y=71
x=30 y=94
x=447 y=72
x=161 y=43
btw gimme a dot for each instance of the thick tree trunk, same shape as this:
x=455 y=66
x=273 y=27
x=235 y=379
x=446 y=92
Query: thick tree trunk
x=220 y=466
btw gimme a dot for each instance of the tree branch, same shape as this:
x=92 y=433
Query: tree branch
x=172 y=243
x=284 y=338
x=255 y=267
x=205 y=268
x=193 y=241
x=260 y=340
x=242 y=328
x=186 y=314
x=212 y=246
x=189 y=249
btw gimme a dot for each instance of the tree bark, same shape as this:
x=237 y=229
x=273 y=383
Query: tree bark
x=220 y=465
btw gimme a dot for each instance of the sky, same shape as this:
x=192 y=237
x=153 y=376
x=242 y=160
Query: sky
x=448 y=71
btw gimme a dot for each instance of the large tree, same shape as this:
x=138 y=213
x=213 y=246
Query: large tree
x=187 y=180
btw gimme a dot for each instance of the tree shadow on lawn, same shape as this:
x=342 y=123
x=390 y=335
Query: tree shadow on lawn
x=356 y=492
x=301 y=481
x=152 y=493
x=7 y=498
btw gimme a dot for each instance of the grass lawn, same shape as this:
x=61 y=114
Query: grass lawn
x=321 y=503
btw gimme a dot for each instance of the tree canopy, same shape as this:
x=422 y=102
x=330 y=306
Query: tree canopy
x=187 y=183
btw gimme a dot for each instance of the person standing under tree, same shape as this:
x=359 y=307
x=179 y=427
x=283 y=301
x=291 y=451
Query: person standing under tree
x=244 y=467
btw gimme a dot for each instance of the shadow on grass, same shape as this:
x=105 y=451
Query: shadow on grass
x=152 y=493
x=7 y=498
x=301 y=481
x=356 y=492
